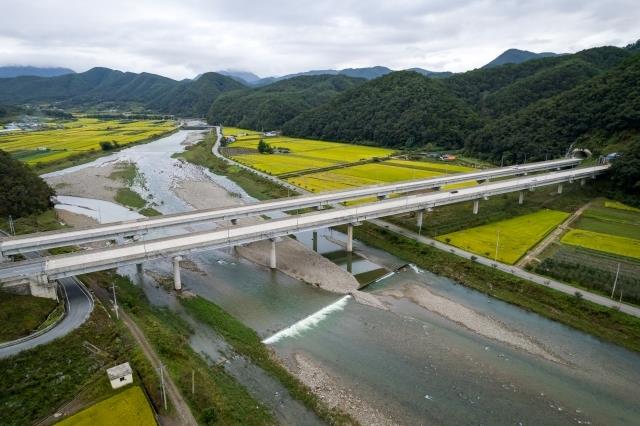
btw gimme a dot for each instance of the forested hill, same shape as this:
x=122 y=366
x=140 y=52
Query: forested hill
x=537 y=108
x=271 y=106
x=106 y=86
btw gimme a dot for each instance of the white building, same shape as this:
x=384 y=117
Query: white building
x=120 y=375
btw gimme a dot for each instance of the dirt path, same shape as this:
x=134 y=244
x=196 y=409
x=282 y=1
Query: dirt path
x=184 y=416
x=182 y=409
x=551 y=238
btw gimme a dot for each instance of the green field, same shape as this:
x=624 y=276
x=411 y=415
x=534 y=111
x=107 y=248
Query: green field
x=129 y=407
x=517 y=235
x=620 y=246
x=22 y=315
x=620 y=206
x=79 y=137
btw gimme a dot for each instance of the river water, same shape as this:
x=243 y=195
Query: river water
x=413 y=365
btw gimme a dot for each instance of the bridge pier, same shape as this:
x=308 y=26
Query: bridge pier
x=583 y=182
x=560 y=188
x=420 y=217
x=177 y=282
x=4 y=258
x=476 y=206
x=139 y=269
x=272 y=258
x=350 y=237
x=521 y=198
x=315 y=240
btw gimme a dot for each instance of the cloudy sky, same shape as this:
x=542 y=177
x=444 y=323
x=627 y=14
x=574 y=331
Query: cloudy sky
x=182 y=38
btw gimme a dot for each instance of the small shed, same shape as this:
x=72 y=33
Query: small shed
x=120 y=375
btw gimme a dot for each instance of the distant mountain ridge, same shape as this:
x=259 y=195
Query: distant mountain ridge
x=11 y=71
x=106 y=86
x=517 y=56
x=368 y=73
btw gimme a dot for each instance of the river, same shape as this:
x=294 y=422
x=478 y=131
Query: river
x=411 y=364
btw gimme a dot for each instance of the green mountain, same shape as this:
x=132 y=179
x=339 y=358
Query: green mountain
x=269 y=107
x=103 y=85
x=534 y=109
x=19 y=70
x=398 y=109
x=516 y=56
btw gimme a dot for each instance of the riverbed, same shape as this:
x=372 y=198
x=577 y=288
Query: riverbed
x=411 y=363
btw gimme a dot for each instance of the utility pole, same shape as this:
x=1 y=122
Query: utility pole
x=497 y=245
x=164 y=393
x=615 y=282
x=193 y=382
x=115 y=300
x=11 y=227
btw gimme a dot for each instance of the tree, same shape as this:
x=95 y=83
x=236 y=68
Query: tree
x=264 y=148
x=625 y=175
x=22 y=192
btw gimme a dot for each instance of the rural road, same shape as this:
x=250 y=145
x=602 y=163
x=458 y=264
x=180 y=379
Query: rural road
x=79 y=305
x=216 y=151
x=513 y=270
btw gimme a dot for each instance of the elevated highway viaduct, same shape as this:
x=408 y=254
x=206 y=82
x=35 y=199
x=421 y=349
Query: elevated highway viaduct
x=121 y=230
x=55 y=267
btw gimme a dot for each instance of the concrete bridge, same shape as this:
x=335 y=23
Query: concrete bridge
x=55 y=267
x=132 y=229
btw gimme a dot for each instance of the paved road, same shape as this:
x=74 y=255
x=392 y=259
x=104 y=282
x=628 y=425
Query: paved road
x=513 y=270
x=79 y=305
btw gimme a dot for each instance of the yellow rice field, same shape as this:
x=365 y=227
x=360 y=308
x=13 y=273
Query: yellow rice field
x=80 y=136
x=514 y=237
x=126 y=408
x=614 y=244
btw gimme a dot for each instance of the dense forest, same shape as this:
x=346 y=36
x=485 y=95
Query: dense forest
x=103 y=85
x=22 y=191
x=271 y=106
x=535 y=109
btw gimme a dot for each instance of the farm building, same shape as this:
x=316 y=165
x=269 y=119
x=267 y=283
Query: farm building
x=120 y=375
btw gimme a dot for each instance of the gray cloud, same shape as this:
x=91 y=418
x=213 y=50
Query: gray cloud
x=182 y=38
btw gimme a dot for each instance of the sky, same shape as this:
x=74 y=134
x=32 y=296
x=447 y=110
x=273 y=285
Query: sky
x=180 y=39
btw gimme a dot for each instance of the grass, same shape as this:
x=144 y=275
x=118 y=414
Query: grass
x=255 y=186
x=618 y=205
x=620 y=246
x=127 y=407
x=22 y=315
x=246 y=342
x=605 y=323
x=216 y=391
x=516 y=235
x=35 y=383
x=149 y=211
x=45 y=221
x=81 y=136
x=130 y=198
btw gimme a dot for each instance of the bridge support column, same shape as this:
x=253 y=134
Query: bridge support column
x=559 y=188
x=4 y=258
x=476 y=206
x=420 y=217
x=272 y=257
x=177 y=282
x=350 y=237
x=521 y=198
x=139 y=269
x=583 y=182
x=315 y=240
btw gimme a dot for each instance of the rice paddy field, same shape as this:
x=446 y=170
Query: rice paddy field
x=319 y=166
x=129 y=407
x=79 y=137
x=609 y=227
x=514 y=237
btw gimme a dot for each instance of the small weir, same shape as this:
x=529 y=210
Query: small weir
x=308 y=322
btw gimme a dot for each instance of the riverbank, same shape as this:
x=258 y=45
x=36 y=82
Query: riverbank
x=605 y=323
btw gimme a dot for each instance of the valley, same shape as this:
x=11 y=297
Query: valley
x=336 y=246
